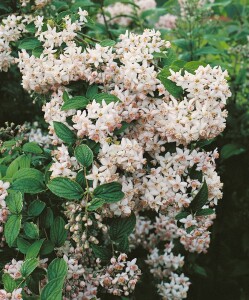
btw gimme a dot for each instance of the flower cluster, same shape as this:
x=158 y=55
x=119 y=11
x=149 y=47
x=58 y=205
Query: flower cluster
x=15 y=295
x=121 y=276
x=3 y=206
x=188 y=7
x=201 y=114
x=11 y=30
x=38 y=3
x=167 y=21
x=114 y=11
x=176 y=289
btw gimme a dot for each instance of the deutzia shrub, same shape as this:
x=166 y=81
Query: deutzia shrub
x=122 y=166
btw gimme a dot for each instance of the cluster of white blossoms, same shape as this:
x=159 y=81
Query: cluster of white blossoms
x=188 y=8
x=53 y=112
x=63 y=164
x=167 y=21
x=4 y=211
x=11 y=29
x=38 y=3
x=121 y=276
x=98 y=122
x=161 y=265
x=15 y=295
x=38 y=136
x=86 y=274
x=201 y=114
x=176 y=289
x=122 y=13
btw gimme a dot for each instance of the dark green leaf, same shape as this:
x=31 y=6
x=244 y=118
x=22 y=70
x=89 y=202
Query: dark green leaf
x=84 y=155
x=14 y=202
x=28 y=266
x=64 y=133
x=36 y=207
x=34 y=249
x=95 y=204
x=57 y=268
x=110 y=192
x=8 y=283
x=78 y=102
x=108 y=98
x=22 y=245
x=12 y=229
x=29 y=43
x=58 y=233
x=32 y=147
x=65 y=188
x=121 y=227
x=31 y=230
x=200 y=199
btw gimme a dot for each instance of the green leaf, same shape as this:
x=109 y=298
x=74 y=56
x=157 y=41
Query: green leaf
x=32 y=147
x=29 y=43
x=92 y=91
x=80 y=178
x=34 y=249
x=35 y=208
x=103 y=253
x=125 y=125
x=47 y=247
x=230 y=150
x=20 y=162
x=108 y=98
x=107 y=43
x=200 y=199
x=123 y=245
x=182 y=215
x=199 y=270
x=46 y=218
x=31 y=27
x=65 y=188
x=205 y=212
x=29 y=173
x=171 y=57
x=64 y=133
x=207 y=50
x=37 y=51
x=22 y=245
x=58 y=233
x=192 y=66
x=53 y=289
x=28 y=266
x=57 y=268
x=31 y=230
x=110 y=192
x=84 y=155
x=190 y=229
x=121 y=227
x=8 y=283
x=12 y=229
x=78 y=102
x=95 y=204
x=171 y=87
x=14 y=202
x=28 y=185
x=65 y=96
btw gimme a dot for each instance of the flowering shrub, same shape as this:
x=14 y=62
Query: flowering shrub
x=123 y=165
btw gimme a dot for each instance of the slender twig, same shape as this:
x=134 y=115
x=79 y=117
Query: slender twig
x=89 y=37
x=105 y=21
